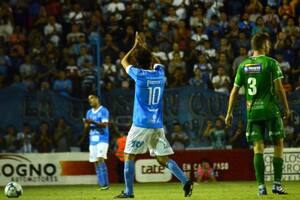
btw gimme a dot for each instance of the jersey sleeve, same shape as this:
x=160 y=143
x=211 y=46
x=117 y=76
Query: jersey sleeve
x=238 y=81
x=276 y=71
x=133 y=72
x=87 y=115
x=104 y=115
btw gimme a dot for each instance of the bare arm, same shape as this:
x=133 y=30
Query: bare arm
x=86 y=129
x=124 y=61
x=232 y=100
x=281 y=94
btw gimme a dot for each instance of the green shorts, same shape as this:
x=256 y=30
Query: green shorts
x=256 y=130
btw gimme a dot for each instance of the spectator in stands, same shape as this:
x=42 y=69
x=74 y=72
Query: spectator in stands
x=238 y=140
x=205 y=138
x=177 y=78
x=43 y=140
x=254 y=8
x=259 y=26
x=223 y=60
x=285 y=9
x=25 y=138
x=73 y=73
x=205 y=172
x=109 y=69
x=179 y=138
x=62 y=136
x=115 y=6
x=221 y=81
x=74 y=35
x=88 y=75
x=218 y=135
x=6 y=25
x=10 y=138
x=77 y=15
x=199 y=36
x=53 y=31
x=160 y=54
x=284 y=65
x=5 y=63
x=77 y=45
x=127 y=39
x=110 y=48
x=199 y=80
x=84 y=56
x=176 y=62
x=204 y=65
x=164 y=37
x=62 y=85
x=286 y=85
x=27 y=69
x=176 y=50
x=239 y=59
x=197 y=18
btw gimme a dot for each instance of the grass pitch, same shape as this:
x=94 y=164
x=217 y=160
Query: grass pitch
x=161 y=191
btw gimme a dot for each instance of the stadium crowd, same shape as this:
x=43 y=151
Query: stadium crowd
x=45 y=45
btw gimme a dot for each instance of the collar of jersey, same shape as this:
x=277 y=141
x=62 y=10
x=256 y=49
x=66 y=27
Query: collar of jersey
x=258 y=55
x=95 y=111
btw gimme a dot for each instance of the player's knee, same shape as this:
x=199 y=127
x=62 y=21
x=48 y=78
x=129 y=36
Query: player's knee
x=129 y=156
x=162 y=160
x=258 y=147
x=101 y=160
x=278 y=143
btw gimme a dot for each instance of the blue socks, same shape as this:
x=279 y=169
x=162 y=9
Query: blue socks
x=129 y=176
x=176 y=171
x=102 y=175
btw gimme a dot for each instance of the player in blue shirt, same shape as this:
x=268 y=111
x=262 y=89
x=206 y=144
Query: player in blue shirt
x=147 y=129
x=96 y=124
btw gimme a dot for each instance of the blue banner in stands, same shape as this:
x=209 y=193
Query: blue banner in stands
x=190 y=106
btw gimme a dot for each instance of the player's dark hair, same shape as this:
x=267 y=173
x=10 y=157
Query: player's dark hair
x=258 y=41
x=143 y=58
x=95 y=95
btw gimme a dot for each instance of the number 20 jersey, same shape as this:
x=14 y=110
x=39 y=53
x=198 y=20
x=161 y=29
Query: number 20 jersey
x=257 y=74
x=148 y=99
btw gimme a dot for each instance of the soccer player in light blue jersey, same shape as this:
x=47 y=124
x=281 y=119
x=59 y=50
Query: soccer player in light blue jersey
x=96 y=124
x=147 y=129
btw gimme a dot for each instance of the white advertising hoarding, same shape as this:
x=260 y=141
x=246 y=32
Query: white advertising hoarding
x=46 y=169
x=149 y=170
x=291 y=165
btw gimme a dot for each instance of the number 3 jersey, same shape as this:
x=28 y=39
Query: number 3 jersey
x=98 y=134
x=148 y=99
x=257 y=74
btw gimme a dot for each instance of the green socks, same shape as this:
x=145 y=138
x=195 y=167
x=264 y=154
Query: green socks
x=277 y=164
x=259 y=166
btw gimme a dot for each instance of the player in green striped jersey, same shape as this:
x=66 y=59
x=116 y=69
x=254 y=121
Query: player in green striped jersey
x=261 y=77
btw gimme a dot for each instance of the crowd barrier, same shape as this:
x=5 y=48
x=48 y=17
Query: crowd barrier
x=74 y=168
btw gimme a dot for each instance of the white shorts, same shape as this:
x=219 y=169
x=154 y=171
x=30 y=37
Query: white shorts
x=139 y=140
x=98 y=151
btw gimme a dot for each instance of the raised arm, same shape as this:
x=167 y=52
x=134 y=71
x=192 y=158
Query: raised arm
x=124 y=62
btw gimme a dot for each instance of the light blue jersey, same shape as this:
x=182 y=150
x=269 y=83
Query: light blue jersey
x=148 y=99
x=98 y=134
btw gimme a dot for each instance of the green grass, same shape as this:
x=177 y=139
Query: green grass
x=161 y=191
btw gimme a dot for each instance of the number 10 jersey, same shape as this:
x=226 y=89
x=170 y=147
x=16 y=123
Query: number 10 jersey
x=148 y=99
